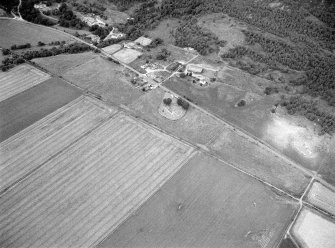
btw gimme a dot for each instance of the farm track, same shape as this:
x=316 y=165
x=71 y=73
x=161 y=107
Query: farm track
x=20 y=79
x=79 y=197
x=27 y=150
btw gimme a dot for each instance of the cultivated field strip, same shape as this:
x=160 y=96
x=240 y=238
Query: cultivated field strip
x=80 y=196
x=28 y=149
x=20 y=79
x=322 y=197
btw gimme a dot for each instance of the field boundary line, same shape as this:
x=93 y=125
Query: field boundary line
x=209 y=153
x=24 y=177
x=192 y=154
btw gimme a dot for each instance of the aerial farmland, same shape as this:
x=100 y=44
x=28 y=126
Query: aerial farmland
x=171 y=123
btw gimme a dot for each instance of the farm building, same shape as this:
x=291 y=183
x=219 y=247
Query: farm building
x=114 y=34
x=92 y=19
x=94 y=38
x=194 y=69
x=143 y=41
x=132 y=45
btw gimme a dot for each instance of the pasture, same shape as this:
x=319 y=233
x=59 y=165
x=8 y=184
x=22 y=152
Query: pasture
x=17 y=32
x=105 y=78
x=80 y=195
x=195 y=127
x=246 y=154
x=112 y=48
x=164 y=30
x=27 y=150
x=207 y=204
x=225 y=28
x=19 y=79
x=221 y=99
x=313 y=230
x=127 y=55
x=27 y=107
x=62 y=63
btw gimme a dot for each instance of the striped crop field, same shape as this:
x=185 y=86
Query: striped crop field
x=81 y=195
x=20 y=79
x=28 y=149
x=322 y=197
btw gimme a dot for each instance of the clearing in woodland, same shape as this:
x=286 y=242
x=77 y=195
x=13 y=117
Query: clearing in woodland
x=81 y=195
x=207 y=204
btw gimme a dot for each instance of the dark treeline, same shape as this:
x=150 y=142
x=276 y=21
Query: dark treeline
x=298 y=105
x=10 y=62
x=23 y=46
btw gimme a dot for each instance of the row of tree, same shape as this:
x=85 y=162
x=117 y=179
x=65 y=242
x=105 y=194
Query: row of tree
x=10 y=62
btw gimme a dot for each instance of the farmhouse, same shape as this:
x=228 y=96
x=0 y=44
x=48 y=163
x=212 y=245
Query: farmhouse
x=94 y=38
x=194 y=69
x=143 y=41
x=114 y=34
x=92 y=19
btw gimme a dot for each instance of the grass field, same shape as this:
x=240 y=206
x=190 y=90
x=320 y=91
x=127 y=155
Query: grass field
x=127 y=55
x=225 y=28
x=243 y=152
x=195 y=127
x=221 y=99
x=112 y=48
x=17 y=32
x=313 y=230
x=62 y=63
x=27 y=107
x=322 y=197
x=105 y=78
x=164 y=30
x=28 y=149
x=207 y=204
x=79 y=196
x=20 y=79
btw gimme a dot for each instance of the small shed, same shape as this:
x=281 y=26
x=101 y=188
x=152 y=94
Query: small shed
x=143 y=41
x=194 y=69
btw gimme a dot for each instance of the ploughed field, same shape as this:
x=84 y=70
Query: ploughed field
x=27 y=150
x=19 y=79
x=29 y=106
x=88 y=171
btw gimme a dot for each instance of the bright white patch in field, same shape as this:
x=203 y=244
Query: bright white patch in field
x=313 y=231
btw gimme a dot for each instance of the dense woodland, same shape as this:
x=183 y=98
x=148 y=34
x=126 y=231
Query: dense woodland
x=309 y=109
x=68 y=19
